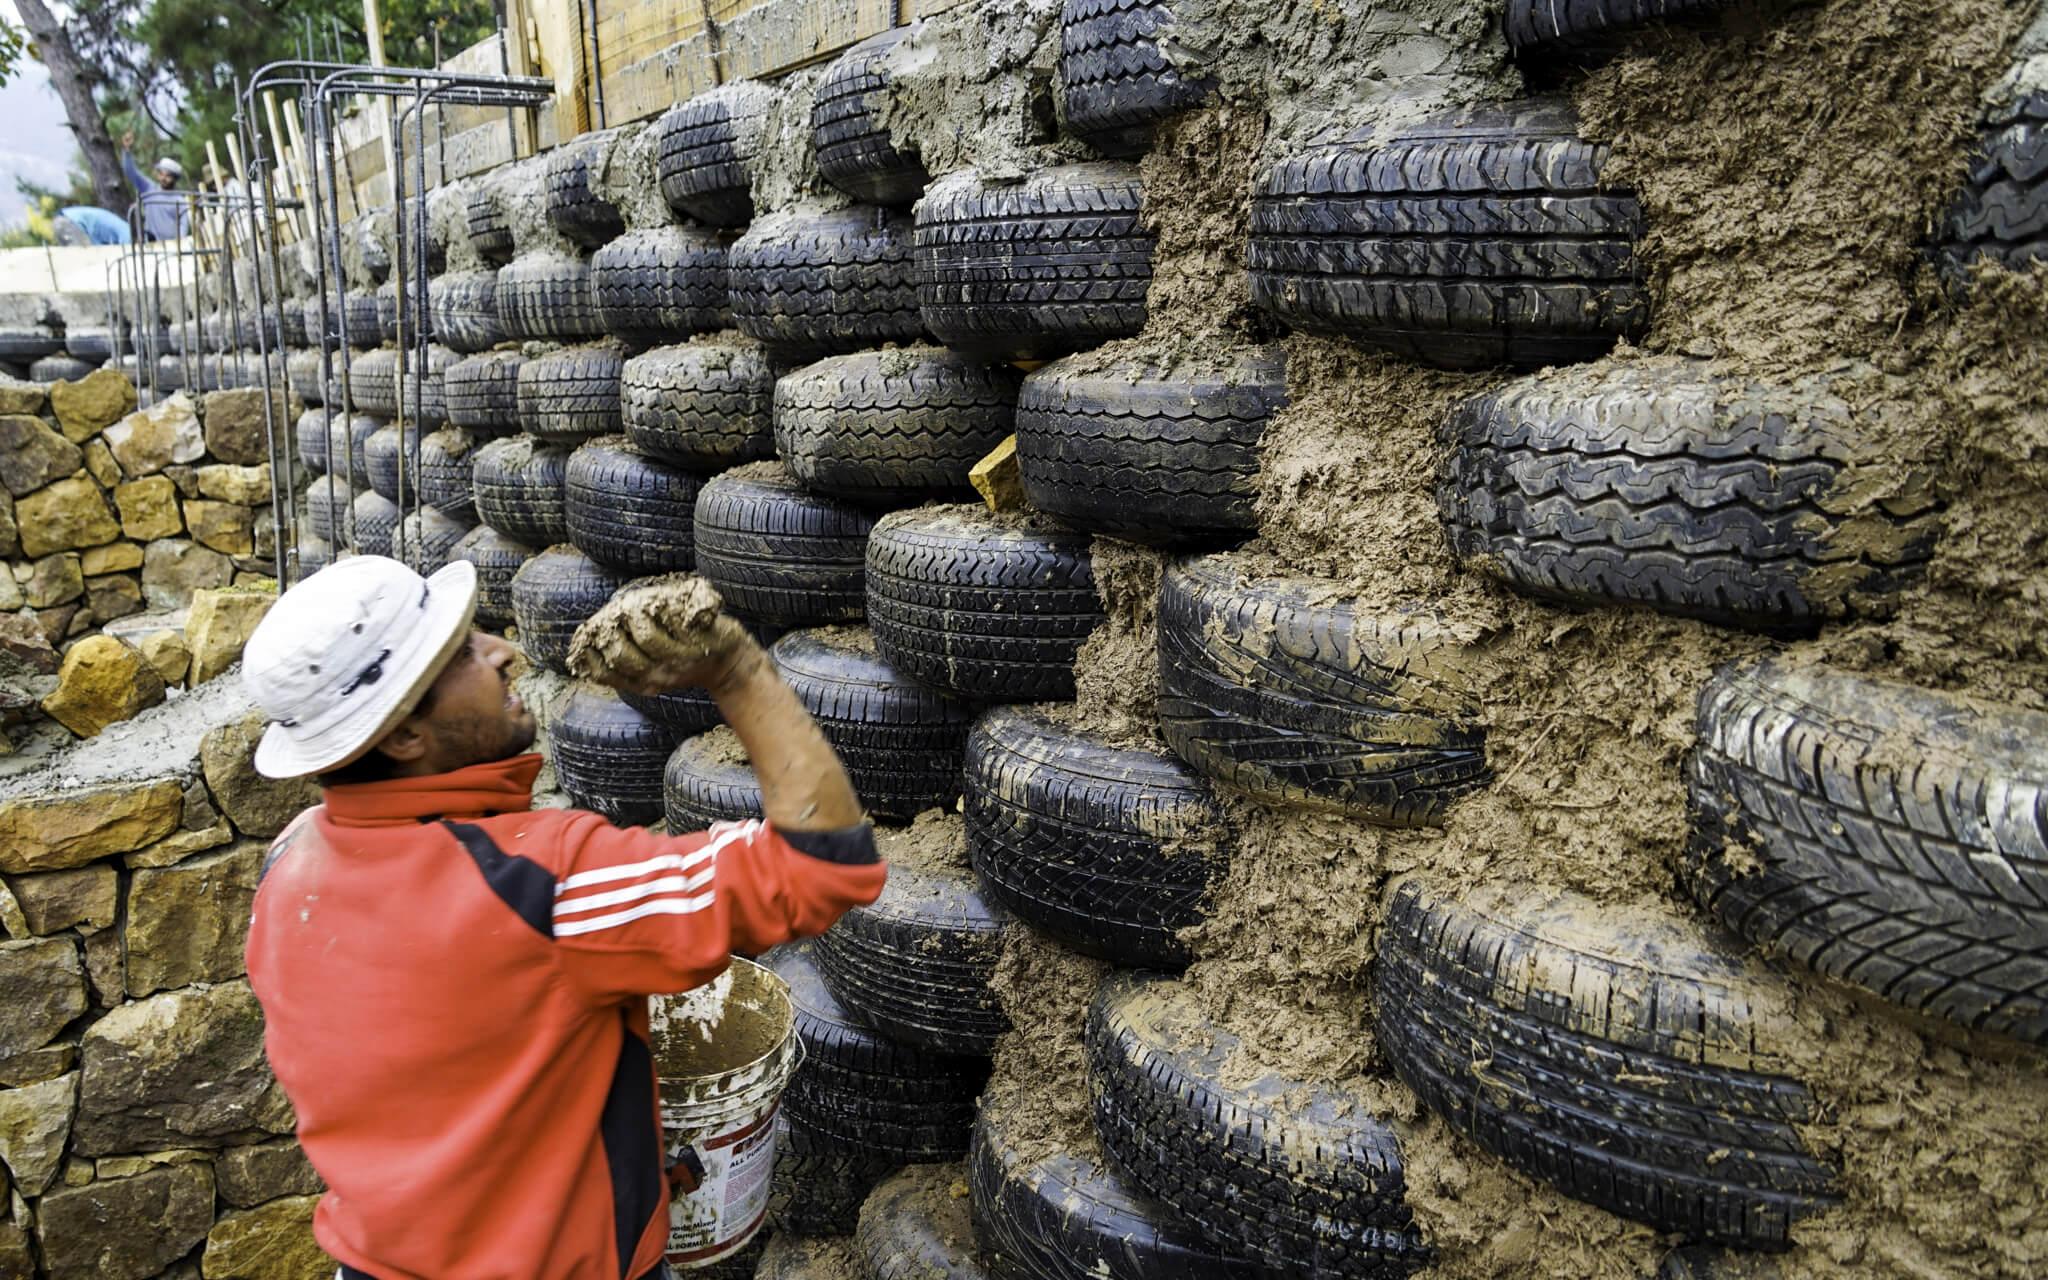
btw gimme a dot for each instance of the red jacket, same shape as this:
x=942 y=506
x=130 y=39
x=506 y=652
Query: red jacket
x=454 y=988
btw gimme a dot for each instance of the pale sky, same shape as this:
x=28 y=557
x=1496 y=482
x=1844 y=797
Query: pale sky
x=36 y=142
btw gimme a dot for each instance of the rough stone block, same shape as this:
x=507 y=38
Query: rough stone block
x=100 y=464
x=248 y=1176
x=185 y=478
x=23 y=646
x=37 y=1065
x=30 y=398
x=53 y=580
x=103 y=681
x=243 y=486
x=17 y=1255
x=32 y=455
x=187 y=923
x=999 y=479
x=149 y=508
x=65 y=516
x=180 y=845
x=234 y=424
x=125 y=1228
x=148 y=440
x=92 y=404
x=10 y=535
x=106 y=967
x=172 y=569
x=35 y=1123
x=168 y=653
x=74 y=826
x=58 y=622
x=129 y=1166
x=113 y=557
x=223 y=526
x=55 y=900
x=45 y=985
x=270 y=1242
x=115 y=595
x=180 y=1069
x=258 y=806
x=220 y=624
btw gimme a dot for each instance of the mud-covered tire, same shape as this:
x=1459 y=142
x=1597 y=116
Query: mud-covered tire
x=984 y=609
x=426 y=539
x=608 y=757
x=329 y=505
x=630 y=511
x=661 y=284
x=818 y=1184
x=1887 y=836
x=94 y=346
x=375 y=520
x=1111 y=850
x=1574 y=26
x=1115 y=83
x=353 y=322
x=2001 y=215
x=388 y=453
x=1068 y=1216
x=571 y=394
x=913 y=1227
x=901 y=743
x=547 y=296
x=447 y=473
x=889 y=426
x=706 y=150
x=59 y=368
x=860 y=1091
x=305 y=372
x=854 y=149
x=1269 y=687
x=916 y=963
x=1470 y=239
x=465 y=308
x=814 y=285
x=415 y=320
x=1647 y=483
x=1293 y=1175
x=291 y=320
x=346 y=453
x=520 y=489
x=572 y=204
x=699 y=789
x=373 y=382
x=1146 y=453
x=778 y=553
x=707 y=405
x=24 y=346
x=553 y=594
x=1616 y=1057
x=1031 y=270
x=490 y=233
x=483 y=392
x=497 y=559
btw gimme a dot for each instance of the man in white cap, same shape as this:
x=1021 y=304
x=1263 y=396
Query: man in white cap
x=164 y=214
x=455 y=985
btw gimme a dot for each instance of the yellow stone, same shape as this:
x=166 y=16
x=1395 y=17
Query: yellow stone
x=100 y=461
x=103 y=681
x=114 y=557
x=222 y=526
x=149 y=508
x=69 y=514
x=168 y=653
x=92 y=404
x=998 y=478
x=220 y=623
x=75 y=826
x=273 y=1241
x=244 y=486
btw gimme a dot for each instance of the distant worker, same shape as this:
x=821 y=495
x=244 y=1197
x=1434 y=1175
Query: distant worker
x=454 y=985
x=89 y=224
x=163 y=208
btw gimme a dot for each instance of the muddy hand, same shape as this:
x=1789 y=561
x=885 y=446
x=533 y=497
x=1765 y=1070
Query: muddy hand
x=660 y=635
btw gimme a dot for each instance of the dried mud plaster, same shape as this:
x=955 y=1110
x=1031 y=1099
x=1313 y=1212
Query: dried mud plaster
x=448 y=207
x=974 y=88
x=1116 y=672
x=622 y=170
x=522 y=193
x=786 y=170
x=1040 y=1072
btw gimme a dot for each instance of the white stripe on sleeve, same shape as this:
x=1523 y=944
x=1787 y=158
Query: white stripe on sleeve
x=658 y=907
x=631 y=893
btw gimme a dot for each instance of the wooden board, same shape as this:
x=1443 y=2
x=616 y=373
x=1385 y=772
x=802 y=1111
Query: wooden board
x=768 y=37
x=649 y=87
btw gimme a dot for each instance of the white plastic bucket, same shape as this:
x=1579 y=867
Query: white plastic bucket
x=725 y=1052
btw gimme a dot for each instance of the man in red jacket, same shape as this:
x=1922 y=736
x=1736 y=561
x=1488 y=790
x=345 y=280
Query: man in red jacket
x=455 y=985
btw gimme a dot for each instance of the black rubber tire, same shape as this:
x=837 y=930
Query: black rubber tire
x=373 y=381
x=707 y=405
x=1884 y=835
x=291 y=319
x=1031 y=270
x=1110 y=850
x=381 y=456
x=1150 y=454
x=571 y=394
x=1296 y=1176
x=818 y=1185
x=1574 y=26
x=608 y=757
x=547 y=296
x=305 y=373
x=892 y=426
x=661 y=285
x=698 y=788
x=778 y=553
x=706 y=150
x=1650 y=484
x=94 y=346
x=984 y=609
x=497 y=559
x=483 y=392
x=1271 y=689
x=489 y=232
x=1521 y=1020
x=859 y=1091
x=329 y=505
x=553 y=594
x=902 y=744
x=436 y=239
x=387 y=313
x=353 y=321
x=1470 y=239
x=520 y=487
x=813 y=285
x=2001 y=215
x=630 y=511
x=23 y=346
x=914 y=1228
x=59 y=368
x=1068 y=1216
x=573 y=206
x=917 y=962
x=465 y=308
x=855 y=152
x=375 y=519
x=430 y=390
x=447 y=473
x=349 y=447
x=1115 y=84
x=427 y=539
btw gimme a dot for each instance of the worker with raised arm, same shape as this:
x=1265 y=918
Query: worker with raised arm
x=164 y=215
x=455 y=985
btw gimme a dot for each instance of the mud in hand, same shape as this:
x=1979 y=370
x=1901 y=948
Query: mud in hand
x=662 y=634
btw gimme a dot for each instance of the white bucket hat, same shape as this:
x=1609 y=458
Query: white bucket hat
x=345 y=655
